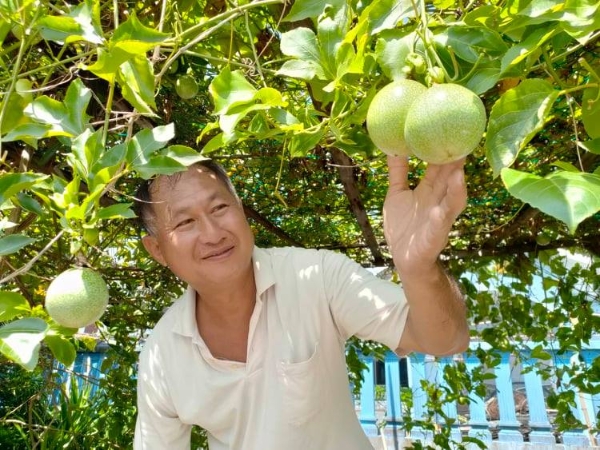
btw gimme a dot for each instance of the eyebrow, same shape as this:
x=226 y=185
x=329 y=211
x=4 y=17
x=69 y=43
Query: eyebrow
x=173 y=212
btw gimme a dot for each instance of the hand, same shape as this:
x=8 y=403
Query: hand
x=417 y=222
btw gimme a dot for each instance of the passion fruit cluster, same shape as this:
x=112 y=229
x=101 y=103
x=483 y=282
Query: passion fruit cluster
x=439 y=124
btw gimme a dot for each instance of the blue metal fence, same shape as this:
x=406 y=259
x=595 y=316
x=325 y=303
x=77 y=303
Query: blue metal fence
x=500 y=417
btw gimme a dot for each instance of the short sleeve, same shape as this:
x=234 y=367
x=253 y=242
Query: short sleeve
x=157 y=426
x=362 y=304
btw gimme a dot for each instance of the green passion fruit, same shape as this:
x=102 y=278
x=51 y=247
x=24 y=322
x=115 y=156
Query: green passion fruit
x=186 y=87
x=77 y=297
x=445 y=124
x=387 y=112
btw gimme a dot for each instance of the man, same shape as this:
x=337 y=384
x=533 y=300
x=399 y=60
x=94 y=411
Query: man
x=253 y=351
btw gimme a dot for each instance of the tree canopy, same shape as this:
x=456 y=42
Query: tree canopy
x=95 y=96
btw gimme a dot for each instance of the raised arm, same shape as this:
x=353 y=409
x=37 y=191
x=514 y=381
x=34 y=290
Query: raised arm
x=417 y=223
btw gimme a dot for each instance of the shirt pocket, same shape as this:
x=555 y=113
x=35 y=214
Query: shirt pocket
x=302 y=390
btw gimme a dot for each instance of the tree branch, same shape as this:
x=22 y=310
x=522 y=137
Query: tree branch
x=345 y=168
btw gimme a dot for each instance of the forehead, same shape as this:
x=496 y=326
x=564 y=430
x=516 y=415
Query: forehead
x=186 y=189
x=193 y=178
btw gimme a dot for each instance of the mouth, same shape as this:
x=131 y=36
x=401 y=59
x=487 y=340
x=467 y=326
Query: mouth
x=219 y=254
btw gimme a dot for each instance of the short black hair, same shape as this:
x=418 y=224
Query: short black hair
x=143 y=196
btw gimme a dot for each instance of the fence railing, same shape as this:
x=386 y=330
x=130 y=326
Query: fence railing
x=514 y=414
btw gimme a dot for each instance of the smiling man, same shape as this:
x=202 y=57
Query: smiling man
x=254 y=350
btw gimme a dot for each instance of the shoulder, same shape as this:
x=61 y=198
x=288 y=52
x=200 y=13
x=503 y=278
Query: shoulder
x=164 y=329
x=300 y=255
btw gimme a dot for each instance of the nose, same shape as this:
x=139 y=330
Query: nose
x=210 y=231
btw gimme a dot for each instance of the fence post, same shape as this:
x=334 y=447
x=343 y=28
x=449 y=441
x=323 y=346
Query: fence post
x=508 y=424
x=367 y=398
x=541 y=429
x=449 y=408
x=480 y=427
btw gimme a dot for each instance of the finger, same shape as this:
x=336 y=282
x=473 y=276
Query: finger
x=438 y=177
x=455 y=200
x=398 y=173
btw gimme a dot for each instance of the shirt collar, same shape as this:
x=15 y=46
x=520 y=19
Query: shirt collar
x=185 y=324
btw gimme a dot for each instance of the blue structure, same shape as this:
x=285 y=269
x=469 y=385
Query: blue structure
x=496 y=420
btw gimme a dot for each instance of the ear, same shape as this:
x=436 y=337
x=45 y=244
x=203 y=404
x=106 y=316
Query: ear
x=153 y=247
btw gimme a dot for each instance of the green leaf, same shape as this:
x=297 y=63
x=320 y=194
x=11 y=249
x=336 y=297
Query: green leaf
x=183 y=154
x=62 y=349
x=392 y=47
x=469 y=43
x=148 y=141
x=300 y=144
x=29 y=204
x=20 y=340
x=532 y=43
x=118 y=210
x=66 y=119
x=515 y=118
x=81 y=24
x=229 y=89
x=331 y=29
x=590 y=112
x=381 y=15
x=570 y=197
x=27 y=131
x=158 y=165
x=564 y=165
x=12 y=304
x=484 y=78
x=303 y=9
x=13 y=243
x=137 y=84
x=303 y=70
x=580 y=18
x=85 y=151
x=13 y=183
x=538 y=352
x=592 y=146
x=301 y=43
x=134 y=38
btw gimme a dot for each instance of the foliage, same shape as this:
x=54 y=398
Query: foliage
x=88 y=106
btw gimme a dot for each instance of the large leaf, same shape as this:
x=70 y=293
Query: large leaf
x=13 y=243
x=148 y=141
x=20 y=340
x=571 y=197
x=81 y=24
x=68 y=118
x=134 y=38
x=301 y=43
x=229 y=89
x=581 y=18
x=13 y=183
x=136 y=79
x=515 y=118
x=12 y=304
x=303 y=9
x=62 y=349
x=469 y=43
x=531 y=44
x=391 y=50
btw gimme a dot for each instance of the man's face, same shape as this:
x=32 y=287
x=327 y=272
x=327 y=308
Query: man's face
x=201 y=232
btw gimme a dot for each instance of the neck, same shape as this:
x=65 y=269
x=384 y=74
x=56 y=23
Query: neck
x=227 y=305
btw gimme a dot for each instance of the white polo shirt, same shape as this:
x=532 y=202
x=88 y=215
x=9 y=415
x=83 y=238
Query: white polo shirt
x=292 y=393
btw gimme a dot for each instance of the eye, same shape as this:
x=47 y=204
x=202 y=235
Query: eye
x=183 y=223
x=220 y=207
